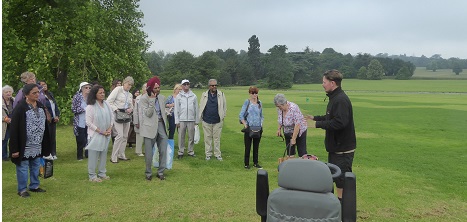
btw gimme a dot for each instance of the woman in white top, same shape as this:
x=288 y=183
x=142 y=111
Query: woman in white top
x=99 y=122
x=120 y=99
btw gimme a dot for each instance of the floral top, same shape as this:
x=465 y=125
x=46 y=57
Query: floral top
x=293 y=116
x=254 y=116
x=35 y=127
x=78 y=110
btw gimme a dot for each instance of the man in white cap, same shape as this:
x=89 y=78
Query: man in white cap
x=186 y=113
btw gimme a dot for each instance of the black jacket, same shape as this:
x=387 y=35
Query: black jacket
x=47 y=104
x=338 y=123
x=18 y=132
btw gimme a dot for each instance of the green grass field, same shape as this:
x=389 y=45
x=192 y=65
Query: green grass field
x=422 y=73
x=410 y=163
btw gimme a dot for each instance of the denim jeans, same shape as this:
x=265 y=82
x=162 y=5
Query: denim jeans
x=22 y=174
x=5 y=144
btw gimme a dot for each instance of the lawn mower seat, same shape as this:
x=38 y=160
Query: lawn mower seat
x=305 y=193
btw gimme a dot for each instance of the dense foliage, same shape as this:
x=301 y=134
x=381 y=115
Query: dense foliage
x=67 y=42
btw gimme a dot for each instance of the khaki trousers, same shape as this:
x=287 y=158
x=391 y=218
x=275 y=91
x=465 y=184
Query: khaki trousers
x=119 y=146
x=212 y=132
x=190 y=127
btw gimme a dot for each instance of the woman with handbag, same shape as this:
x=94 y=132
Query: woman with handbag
x=251 y=116
x=120 y=99
x=99 y=122
x=29 y=139
x=293 y=123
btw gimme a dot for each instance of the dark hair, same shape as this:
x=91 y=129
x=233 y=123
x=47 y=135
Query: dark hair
x=92 y=97
x=28 y=87
x=134 y=91
x=334 y=75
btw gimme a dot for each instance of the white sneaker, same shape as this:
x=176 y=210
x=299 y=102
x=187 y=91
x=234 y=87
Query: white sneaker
x=219 y=158
x=208 y=158
x=55 y=157
x=49 y=157
x=140 y=154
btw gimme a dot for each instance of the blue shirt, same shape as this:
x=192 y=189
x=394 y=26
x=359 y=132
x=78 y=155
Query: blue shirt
x=255 y=113
x=211 y=111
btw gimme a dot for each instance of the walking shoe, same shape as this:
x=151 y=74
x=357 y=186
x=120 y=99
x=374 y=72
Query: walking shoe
x=140 y=154
x=160 y=176
x=55 y=157
x=95 y=180
x=49 y=157
x=24 y=194
x=219 y=158
x=247 y=167
x=257 y=166
x=180 y=156
x=104 y=178
x=124 y=159
x=191 y=155
x=208 y=158
x=37 y=190
x=148 y=178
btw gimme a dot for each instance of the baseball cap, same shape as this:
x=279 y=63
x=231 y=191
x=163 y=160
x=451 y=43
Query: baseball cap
x=185 y=81
x=83 y=84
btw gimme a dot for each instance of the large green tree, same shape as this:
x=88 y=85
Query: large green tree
x=375 y=70
x=279 y=68
x=254 y=57
x=180 y=66
x=67 y=42
x=208 y=66
x=456 y=67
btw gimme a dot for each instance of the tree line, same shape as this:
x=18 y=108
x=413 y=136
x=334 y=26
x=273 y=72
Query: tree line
x=432 y=63
x=275 y=69
x=67 y=42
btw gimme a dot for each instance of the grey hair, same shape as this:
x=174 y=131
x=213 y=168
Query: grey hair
x=27 y=75
x=211 y=80
x=6 y=88
x=128 y=79
x=280 y=99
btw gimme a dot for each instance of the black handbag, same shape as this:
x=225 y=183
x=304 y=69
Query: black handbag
x=122 y=116
x=255 y=131
x=46 y=168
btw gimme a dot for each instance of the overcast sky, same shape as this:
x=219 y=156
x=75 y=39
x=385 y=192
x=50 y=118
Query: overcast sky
x=411 y=27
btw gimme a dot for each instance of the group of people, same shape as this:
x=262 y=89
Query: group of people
x=340 y=139
x=155 y=118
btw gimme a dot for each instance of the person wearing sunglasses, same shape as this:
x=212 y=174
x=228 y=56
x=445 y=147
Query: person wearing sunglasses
x=212 y=110
x=78 y=107
x=251 y=115
x=186 y=117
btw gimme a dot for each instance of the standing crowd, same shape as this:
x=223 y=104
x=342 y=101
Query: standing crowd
x=147 y=120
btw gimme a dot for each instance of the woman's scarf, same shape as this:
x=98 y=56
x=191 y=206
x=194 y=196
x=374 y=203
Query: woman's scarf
x=102 y=119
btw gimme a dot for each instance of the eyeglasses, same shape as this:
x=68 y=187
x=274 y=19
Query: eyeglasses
x=213 y=85
x=253 y=92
